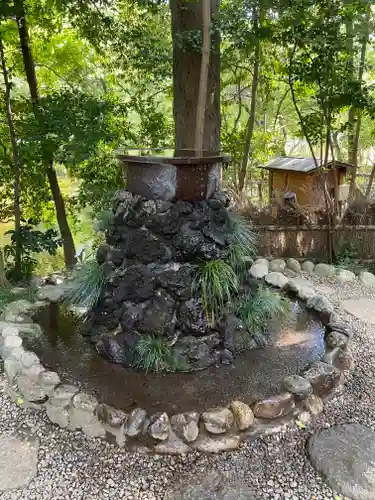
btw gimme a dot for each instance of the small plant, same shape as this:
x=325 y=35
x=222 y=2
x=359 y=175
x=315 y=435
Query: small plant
x=243 y=233
x=86 y=284
x=30 y=241
x=103 y=220
x=152 y=354
x=217 y=282
x=257 y=310
x=347 y=257
x=239 y=259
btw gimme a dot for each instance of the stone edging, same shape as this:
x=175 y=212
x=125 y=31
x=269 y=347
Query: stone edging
x=213 y=431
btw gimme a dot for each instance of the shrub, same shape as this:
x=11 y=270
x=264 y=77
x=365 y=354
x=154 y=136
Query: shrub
x=217 y=283
x=258 y=310
x=152 y=354
x=243 y=233
x=87 y=281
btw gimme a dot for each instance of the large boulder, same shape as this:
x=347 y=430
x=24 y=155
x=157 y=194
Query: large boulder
x=308 y=266
x=275 y=406
x=185 y=425
x=258 y=270
x=218 y=420
x=323 y=377
x=367 y=279
x=277 y=265
x=345 y=276
x=276 y=279
x=344 y=456
x=320 y=303
x=294 y=265
x=324 y=270
x=159 y=427
x=242 y=414
x=299 y=386
x=135 y=422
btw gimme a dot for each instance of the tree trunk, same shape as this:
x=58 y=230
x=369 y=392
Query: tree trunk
x=251 y=119
x=16 y=167
x=370 y=181
x=28 y=61
x=187 y=19
x=203 y=79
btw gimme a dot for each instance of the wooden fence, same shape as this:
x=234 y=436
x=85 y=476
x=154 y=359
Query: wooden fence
x=313 y=241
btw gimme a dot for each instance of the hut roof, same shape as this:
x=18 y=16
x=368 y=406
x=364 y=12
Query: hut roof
x=295 y=164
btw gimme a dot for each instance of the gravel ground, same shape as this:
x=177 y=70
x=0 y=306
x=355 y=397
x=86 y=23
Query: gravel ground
x=274 y=467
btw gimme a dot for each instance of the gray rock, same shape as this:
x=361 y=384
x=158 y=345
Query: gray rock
x=12 y=368
x=233 y=331
x=274 y=406
x=29 y=359
x=308 y=266
x=320 y=303
x=277 y=265
x=134 y=424
x=185 y=425
x=85 y=402
x=111 y=416
x=299 y=386
x=362 y=308
x=53 y=293
x=159 y=427
x=367 y=279
x=344 y=455
x=217 y=444
x=18 y=462
x=276 y=279
x=313 y=404
x=173 y=445
x=242 y=414
x=337 y=339
x=10 y=331
x=340 y=327
x=344 y=360
x=109 y=348
x=258 y=271
x=62 y=395
x=294 y=265
x=324 y=270
x=226 y=357
x=323 y=377
x=330 y=356
x=48 y=381
x=345 y=276
x=31 y=389
x=297 y=284
x=58 y=415
x=94 y=429
x=262 y=261
x=218 y=420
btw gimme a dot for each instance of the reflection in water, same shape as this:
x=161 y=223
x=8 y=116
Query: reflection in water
x=292 y=345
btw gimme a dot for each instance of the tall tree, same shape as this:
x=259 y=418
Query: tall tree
x=16 y=167
x=187 y=22
x=48 y=160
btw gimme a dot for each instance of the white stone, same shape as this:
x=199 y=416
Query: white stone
x=294 y=265
x=63 y=394
x=262 y=261
x=277 y=265
x=320 y=304
x=59 y=416
x=48 y=381
x=29 y=359
x=344 y=276
x=324 y=270
x=276 y=279
x=367 y=279
x=217 y=444
x=258 y=271
x=308 y=266
x=10 y=331
x=218 y=420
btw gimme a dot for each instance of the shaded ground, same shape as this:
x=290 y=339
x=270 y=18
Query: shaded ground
x=255 y=374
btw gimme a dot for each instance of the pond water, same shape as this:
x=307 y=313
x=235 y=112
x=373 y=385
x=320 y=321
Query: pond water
x=295 y=343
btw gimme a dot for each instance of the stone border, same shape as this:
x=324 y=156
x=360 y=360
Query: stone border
x=215 y=430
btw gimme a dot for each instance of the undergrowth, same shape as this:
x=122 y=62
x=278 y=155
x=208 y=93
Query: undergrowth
x=258 y=310
x=152 y=354
x=86 y=281
x=217 y=283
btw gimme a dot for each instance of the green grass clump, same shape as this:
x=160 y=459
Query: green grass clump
x=217 y=283
x=86 y=282
x=152 y=354
x=243 y=233
x=103 y=220
x=258 y=310
x=239 y=259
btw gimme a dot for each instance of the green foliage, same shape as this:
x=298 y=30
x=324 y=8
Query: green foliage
x=86 y=282
x=217 y=283
x=256 y=311
x=7 y=297
x=31 y=242
x=239 y=259
x=103 y=220
x=152 y=354
x=243 y=233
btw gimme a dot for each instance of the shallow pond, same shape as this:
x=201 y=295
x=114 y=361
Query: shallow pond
x=295 y=343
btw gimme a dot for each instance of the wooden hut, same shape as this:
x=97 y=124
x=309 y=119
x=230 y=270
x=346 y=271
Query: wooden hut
x=302 y=179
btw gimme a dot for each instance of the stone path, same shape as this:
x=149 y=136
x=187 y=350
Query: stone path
x=72 y=467
x=362 y=308
x=18 y=461
x=345 y=456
